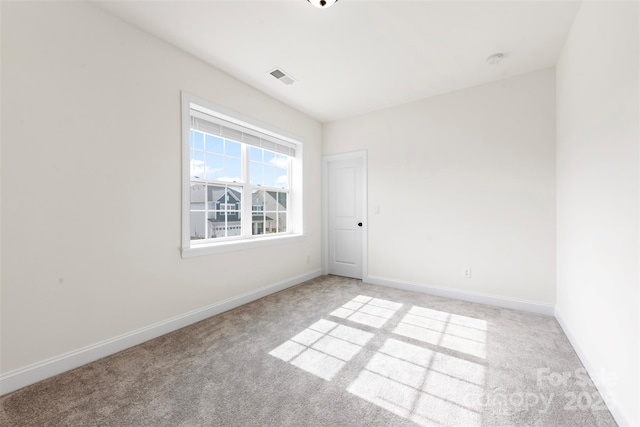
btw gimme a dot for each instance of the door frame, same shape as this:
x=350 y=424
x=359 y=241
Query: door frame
x=363 y=157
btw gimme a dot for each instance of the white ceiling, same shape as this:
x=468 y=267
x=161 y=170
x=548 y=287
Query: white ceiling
x=359 y=56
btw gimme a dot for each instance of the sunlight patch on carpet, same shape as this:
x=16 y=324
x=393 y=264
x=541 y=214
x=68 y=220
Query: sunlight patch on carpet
x=425 y=386
x=368 y=311
x=323 y=349
x=452 y=331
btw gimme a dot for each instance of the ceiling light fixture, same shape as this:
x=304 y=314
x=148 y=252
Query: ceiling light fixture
x=322 y=4
x=496 y=58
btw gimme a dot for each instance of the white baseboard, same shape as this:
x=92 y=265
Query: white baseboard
x=31 y=374
x=616 y=411
x=477 y=297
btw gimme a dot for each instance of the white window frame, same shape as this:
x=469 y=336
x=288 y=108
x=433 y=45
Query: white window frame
x=295 y=221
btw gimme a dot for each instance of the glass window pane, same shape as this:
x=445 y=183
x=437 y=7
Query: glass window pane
x=234 y=216
x=214 y=164
x=233 y=170
x=281 y=161
x=191 y=138
x=281 y=178
x=215 y=225
x=197 y=196
x=270 y=201
x=197 y=164
x=255 y=154
x=269 y=158
x=282 y=201
x=257 y=200
x=234 y=225
x=257 y=214
x=197 y=140
x=215 y=196
x=197 y=224
x=232 y=148
x=270 y=222
x=235 y=197
x=269 y=176
x=257 y=227
x=214 y=144
x=256 y=172
x=282 y=222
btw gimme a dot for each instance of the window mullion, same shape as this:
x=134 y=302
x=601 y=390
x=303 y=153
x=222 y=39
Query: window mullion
x=288 y=215
x=207 y=232
x=246 y=193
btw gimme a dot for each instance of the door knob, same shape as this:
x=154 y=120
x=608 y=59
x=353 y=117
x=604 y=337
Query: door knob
x=359 y=224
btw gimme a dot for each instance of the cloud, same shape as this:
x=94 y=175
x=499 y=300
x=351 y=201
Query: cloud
x=282 y=181
x=278 y=161
x=197 y=168
x=229 y=179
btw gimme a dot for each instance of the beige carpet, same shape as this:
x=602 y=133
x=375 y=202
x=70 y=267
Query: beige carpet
x=331 y=352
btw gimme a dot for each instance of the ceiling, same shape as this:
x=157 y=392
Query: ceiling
x=359 y=56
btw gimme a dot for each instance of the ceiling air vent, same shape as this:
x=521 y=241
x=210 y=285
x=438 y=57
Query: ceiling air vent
x=282 y=76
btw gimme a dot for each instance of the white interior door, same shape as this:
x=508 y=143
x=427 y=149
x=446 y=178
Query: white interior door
x=345 y=199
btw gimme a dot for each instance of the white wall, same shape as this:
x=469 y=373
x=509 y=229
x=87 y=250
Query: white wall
x=598 y=197
x=91 y=182
x=464 y=179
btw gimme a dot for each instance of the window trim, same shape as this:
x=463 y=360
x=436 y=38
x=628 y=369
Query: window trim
x=295 y=233
x=240 y=244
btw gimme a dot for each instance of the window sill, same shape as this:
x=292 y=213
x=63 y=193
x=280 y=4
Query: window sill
x=238 y=245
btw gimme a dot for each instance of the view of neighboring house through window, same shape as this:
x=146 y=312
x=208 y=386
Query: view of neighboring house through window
x=269 y=208
x=239 y=181
x=215 y=205
x=215 y=211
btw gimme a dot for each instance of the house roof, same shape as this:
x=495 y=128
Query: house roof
x=215 y=193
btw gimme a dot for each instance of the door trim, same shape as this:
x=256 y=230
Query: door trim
x=362 y=155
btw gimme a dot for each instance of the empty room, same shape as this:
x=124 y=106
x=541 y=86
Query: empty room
x=320 y=213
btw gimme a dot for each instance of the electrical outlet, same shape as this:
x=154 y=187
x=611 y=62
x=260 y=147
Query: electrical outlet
x=308 y=259
x=467 y=273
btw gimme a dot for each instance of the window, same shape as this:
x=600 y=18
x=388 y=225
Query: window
x=239 y=186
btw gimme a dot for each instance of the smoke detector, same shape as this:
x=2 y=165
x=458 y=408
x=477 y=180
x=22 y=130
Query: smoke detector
x=285 y=78
x=496 y=58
